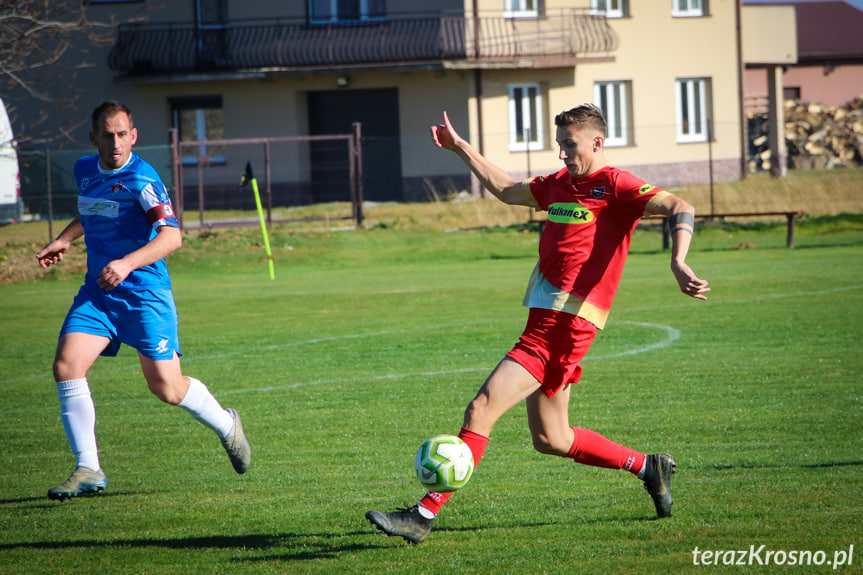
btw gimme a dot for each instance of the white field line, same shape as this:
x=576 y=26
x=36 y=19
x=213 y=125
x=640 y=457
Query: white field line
x=280 y=346
x=716 y=299
x=670 y=336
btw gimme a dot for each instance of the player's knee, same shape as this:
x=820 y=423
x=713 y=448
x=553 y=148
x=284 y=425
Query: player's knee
x=166 y=393
x=66 y=369
x=476 y=410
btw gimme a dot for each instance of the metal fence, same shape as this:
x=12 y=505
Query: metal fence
x=203 y=177
x=48 y=187
x=290 y=171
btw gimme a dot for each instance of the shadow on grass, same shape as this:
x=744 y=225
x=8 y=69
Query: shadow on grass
x=52 y=503
x=308 y=545
x=723 y=467
x=296 y=546
x=381 y=539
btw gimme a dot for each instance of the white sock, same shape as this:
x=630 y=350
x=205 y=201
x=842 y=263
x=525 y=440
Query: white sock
x=201 y=404
x=79 y=420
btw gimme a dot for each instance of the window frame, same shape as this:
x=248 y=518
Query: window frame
x=690 y=10
x=200 y=105
x=533 y=112
x=699 y=114
x=617 y=113
x=364 y=13
x=519 y=9
x=600 y=8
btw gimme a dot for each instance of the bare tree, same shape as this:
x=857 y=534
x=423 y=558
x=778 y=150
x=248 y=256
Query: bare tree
x=34 y=36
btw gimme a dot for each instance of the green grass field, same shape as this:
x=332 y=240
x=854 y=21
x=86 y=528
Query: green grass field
x=368 y=342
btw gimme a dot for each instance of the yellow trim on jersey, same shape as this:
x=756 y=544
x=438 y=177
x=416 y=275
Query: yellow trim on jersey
x=542 y=294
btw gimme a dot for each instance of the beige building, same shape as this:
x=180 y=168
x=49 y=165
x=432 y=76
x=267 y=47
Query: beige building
x=667 y=73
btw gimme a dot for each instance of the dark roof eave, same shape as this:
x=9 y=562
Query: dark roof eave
x=537 y=62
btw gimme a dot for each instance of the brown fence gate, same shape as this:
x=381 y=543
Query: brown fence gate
x=290 y=171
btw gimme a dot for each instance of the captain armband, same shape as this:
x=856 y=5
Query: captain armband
x=160 y=212
x=681 y=221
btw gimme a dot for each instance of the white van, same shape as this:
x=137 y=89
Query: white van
x=11 y=206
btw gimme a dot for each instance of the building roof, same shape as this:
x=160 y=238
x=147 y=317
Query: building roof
x=832 y=30
x=827 y=30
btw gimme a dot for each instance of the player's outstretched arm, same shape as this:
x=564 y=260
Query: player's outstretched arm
x=681 y=223
x=494 y=179
x=53 y=252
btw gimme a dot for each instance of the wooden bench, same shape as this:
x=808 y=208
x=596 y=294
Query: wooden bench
x=790 y=216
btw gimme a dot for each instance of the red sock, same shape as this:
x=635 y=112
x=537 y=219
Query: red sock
x=590 y=448
x=433 y=501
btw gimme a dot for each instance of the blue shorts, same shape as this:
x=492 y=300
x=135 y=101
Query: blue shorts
x=143 y=319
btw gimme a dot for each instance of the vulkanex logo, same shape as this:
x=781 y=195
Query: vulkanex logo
x=569 y=213
x=645 y=188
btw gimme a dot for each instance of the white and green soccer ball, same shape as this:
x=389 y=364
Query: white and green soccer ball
x=444 y=463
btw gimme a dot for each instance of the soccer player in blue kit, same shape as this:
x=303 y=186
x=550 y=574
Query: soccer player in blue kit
x=129 y=228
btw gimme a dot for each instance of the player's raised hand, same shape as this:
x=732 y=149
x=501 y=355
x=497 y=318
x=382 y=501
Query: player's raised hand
x=444 y=135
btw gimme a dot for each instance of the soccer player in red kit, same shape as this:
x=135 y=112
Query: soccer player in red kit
x=592 y=211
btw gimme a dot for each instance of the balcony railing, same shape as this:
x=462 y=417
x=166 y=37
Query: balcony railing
x=279 y=44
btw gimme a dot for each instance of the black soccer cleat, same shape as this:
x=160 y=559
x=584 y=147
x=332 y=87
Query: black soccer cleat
x=657 y=480
x=406 y=523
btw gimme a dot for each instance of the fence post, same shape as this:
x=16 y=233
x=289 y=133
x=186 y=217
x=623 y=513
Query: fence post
x=710 y=161
x=268 y=189
x=201 y=190
x=50 y=195
x=177 y=175
x=792 y=221
x=666 y=235
x=357 y=173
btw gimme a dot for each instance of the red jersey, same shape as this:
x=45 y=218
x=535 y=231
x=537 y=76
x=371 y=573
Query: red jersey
x=585 y=241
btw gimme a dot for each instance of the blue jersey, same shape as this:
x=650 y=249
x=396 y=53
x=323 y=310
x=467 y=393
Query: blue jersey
x=120 y=211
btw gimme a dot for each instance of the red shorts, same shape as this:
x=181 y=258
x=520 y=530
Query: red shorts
x=552 y=347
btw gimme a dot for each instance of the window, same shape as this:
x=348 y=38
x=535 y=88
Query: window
x=525 y=117
x=346 y=11
x=212 y=13
x=693 y=109
x=688 y=8
x=520 y=9
x=198 y=119
x=791 y=92
x=613 y=99
x=610 y=8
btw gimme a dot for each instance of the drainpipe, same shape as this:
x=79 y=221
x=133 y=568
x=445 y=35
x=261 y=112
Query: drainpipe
x=477 y=81
x=744 y=144
x=477 y=75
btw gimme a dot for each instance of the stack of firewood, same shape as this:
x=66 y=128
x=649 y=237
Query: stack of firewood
x=816 y=135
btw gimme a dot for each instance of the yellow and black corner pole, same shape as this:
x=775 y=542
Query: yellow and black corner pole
x=248 y=177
